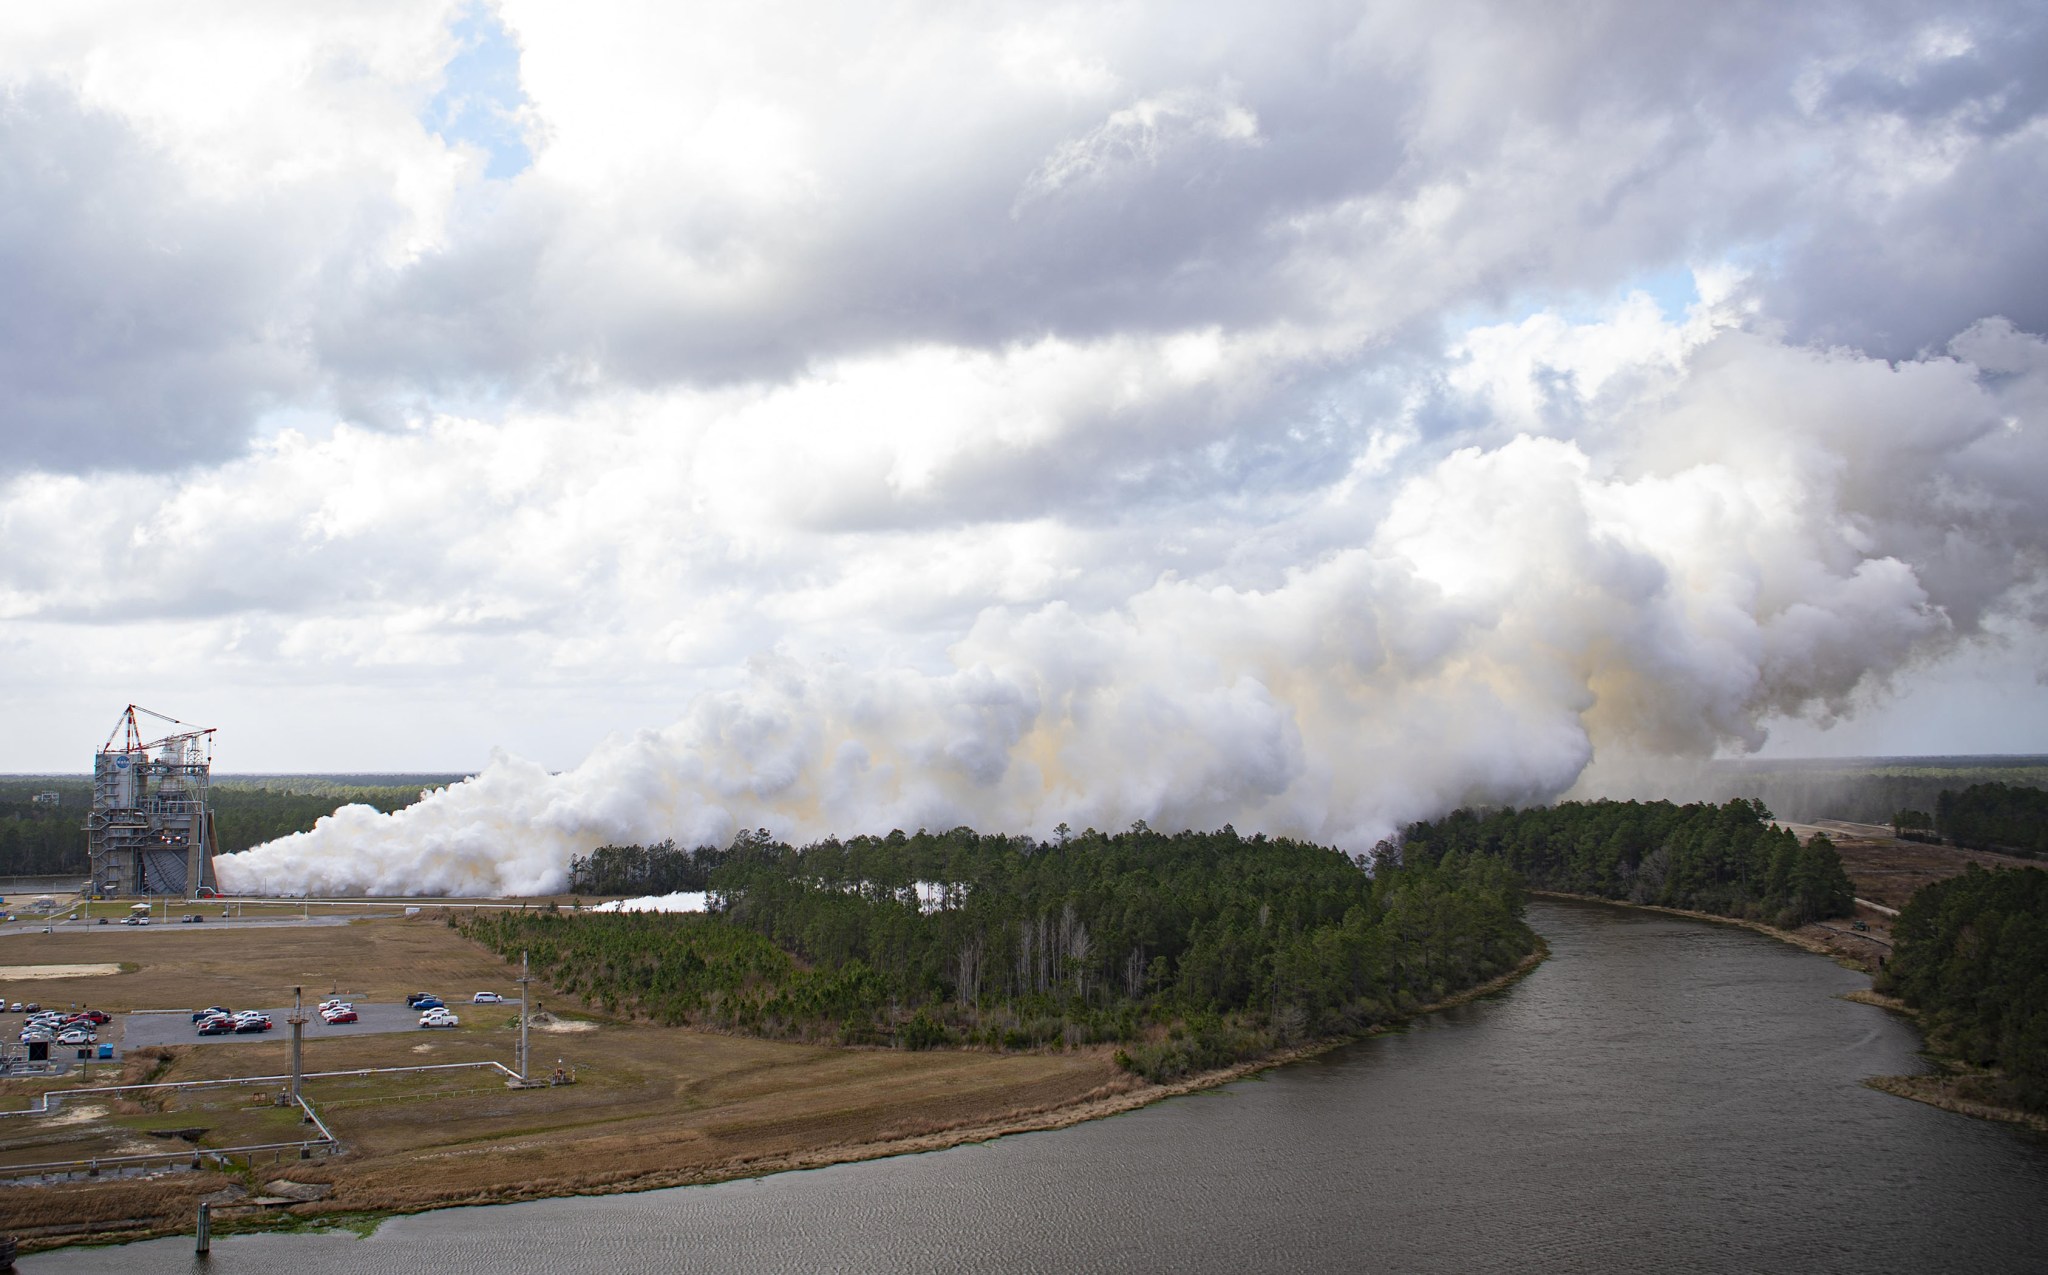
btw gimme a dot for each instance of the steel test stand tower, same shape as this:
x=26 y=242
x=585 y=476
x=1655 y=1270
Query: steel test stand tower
x=150 y=831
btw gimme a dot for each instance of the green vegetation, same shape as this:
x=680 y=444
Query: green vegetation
x=38 y=839
x=1972 y=957
x=48 y=839
x=1729 y=860
x=1865 y=790
x=1995 y=816
x=1193 y=950
x=655 y=869
x=1913 y=825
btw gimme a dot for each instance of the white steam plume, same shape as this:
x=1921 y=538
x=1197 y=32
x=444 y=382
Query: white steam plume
x=1715 y=534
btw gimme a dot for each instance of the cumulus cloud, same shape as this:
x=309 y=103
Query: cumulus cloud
x=1010 y=414
x=1739 y=528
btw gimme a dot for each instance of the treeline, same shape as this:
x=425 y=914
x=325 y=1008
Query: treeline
x=1971 y=955
x=655 y=869
x=249 y=814
x=2007 y=817
x=1865 y=791
x=49 y=839
x=1728 y=859
x=1192 y=950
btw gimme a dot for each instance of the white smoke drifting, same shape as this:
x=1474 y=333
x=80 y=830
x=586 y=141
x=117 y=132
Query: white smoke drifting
x=680 y=901
x=1657 y=536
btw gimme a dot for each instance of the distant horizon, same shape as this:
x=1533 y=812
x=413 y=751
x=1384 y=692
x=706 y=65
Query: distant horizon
x=1953 y=759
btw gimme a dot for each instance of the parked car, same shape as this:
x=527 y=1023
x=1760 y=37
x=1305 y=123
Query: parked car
x=438 y=1018
x=339 y=1007
x=99 y=1017
x=135 y=920
x=342 y=1015
x=486 y=998
x=210 y=1011
x=244 y=1025
x=337 y=1003
x=14 y=1008
x=415 y=1001
x=76 y=1036
x=432 y=1002
x=215 y=1027
x=190 y=918
x=31 y=1007
x=33 y=1037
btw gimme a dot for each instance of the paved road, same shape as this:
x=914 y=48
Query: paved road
x=176 y=1027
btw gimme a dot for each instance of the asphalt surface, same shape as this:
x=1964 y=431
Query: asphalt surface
x=176 y=1027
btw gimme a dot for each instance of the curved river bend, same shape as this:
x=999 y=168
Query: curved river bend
x=1661 y=1094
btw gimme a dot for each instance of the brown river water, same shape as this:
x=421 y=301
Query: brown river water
x=1661 y=1095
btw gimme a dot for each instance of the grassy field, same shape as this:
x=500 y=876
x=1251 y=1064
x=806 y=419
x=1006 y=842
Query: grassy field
x=188 y=966
x=650 y=1106
x=1887 y=870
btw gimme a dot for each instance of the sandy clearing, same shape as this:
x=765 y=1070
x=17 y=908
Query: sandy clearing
x=56 y=971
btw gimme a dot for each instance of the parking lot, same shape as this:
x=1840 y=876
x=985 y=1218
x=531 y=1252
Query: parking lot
x=175 y=1027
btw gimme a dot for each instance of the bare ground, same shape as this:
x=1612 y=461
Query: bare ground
x=651 y=1106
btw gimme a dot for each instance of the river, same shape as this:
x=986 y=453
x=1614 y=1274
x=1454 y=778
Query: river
x=1661 y=1094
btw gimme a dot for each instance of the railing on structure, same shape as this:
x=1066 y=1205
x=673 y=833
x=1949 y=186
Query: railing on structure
x=92 y=1166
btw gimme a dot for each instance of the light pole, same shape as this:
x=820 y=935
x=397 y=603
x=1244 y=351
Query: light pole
x=298 y=1022
x=525 y=977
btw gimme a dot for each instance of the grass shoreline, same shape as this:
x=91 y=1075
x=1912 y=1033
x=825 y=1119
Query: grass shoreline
x=1106 y=1101
x=1063 y=1116
x=1944 y=1088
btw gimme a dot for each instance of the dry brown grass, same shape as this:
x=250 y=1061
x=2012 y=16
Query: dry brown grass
x=1887 y=870
x=181 y=966
x=652 y=1106
x=1976 y=1095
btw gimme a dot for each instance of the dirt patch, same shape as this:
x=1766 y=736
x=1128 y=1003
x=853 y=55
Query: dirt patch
x=1887 y=870
x=178 y=967
x=651 y=1106
x=1957 y=1093
x=9 y=973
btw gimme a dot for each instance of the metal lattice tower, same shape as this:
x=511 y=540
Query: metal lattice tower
x=150 y=831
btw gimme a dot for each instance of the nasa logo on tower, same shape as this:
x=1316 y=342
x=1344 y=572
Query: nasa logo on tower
x=121 y=762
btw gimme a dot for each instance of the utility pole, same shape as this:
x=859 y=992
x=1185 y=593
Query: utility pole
x=525 y=977
x=298 y=1022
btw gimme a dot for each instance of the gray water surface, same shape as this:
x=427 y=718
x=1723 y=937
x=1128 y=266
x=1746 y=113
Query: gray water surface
x=1660 y=1095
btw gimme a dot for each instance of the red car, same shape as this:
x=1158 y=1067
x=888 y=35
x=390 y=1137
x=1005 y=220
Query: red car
x=97 y=1017
x=340 y=1016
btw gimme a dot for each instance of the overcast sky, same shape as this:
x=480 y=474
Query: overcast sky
x=1171 y=405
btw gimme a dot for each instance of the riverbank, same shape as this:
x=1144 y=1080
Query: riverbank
x=1955 y=1087
x=654 y=1108
x=1124 y=1094
x=1821 y=940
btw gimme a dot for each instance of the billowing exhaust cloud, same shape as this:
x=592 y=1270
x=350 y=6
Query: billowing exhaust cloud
x=1646 y=546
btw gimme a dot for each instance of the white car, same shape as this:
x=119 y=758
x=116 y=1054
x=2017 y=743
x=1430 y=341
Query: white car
x=486 y=998
x=76 y=1036
x=438 y=1018
x=33 y=1037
